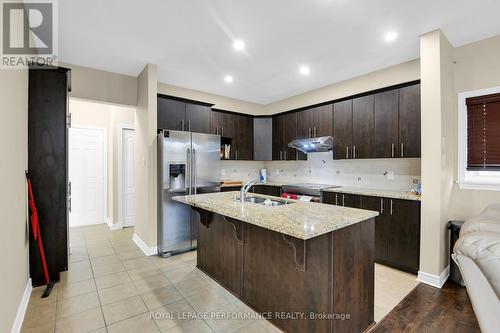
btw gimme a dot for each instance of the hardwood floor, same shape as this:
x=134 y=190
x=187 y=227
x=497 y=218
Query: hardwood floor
x=428 y=309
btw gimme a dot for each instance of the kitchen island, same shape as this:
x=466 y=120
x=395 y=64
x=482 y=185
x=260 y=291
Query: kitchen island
x=307 y=267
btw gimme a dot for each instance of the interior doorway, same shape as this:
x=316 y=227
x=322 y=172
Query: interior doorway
x=126 y=187
x=87 y=173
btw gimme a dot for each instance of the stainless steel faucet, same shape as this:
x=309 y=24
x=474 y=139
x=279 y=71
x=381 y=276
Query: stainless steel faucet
x=244 y=189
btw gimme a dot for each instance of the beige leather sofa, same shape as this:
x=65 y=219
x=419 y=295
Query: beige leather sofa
x=477 y=254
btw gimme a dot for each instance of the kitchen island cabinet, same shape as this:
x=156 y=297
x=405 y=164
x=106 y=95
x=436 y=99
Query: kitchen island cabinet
x=302 y=259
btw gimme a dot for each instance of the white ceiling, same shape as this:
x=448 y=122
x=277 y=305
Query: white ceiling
x=191 y=40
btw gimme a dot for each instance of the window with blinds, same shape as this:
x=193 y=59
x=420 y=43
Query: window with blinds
x=483 y=133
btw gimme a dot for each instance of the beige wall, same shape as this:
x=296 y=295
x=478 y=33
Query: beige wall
x=14 y=235
x=145 y=152
x=101 y=115
x=220 y=102
x=477 y=66
x=93 y=84
x=401 y=73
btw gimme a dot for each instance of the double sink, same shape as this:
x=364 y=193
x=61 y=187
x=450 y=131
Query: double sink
x=266 y=201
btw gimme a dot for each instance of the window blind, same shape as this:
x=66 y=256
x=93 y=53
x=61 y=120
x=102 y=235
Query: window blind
x=483 y=132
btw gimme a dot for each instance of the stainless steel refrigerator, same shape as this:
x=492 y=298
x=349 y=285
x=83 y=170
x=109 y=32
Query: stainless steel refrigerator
x=188 y=163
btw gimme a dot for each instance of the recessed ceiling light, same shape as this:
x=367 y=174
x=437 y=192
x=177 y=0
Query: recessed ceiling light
x=304 y=70
x=239 y=45
x=228 y=79
x=391 y=36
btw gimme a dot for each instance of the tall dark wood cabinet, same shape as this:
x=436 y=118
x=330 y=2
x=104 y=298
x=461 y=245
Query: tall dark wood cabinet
x=381 y=224
x=342 y=129
x=284 y=131
x=183 y=115
x=386 y=124
x=242 y=144
x=47 y=166
x=363 y=127
x=409 y=121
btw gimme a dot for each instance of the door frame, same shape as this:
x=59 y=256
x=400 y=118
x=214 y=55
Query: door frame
x=105 y=165
x=121 y=128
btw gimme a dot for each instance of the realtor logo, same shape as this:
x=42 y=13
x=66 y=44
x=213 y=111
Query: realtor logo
x=28 y=33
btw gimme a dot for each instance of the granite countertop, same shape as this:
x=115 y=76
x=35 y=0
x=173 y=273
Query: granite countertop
x=375 y=193
x=303 y=220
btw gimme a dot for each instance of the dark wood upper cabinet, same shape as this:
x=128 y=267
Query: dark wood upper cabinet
x=305 y=124
x=409 y=121
x=342 y=129
x=363 y=126
x=242 y=144
x=222 y=123
x=171 y=114
x=323 y=120
x=179 y=115
x=277 y=149
x=284 y=131
x=386 y=124
x=314 y=122
x=289 y=133
x=198 y=118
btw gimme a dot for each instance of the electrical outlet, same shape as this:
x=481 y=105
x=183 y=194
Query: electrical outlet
x=390 y=175
x=415 y=181
x=223 y=172
x=277 y=172
x=337 y=172
x=359 y=179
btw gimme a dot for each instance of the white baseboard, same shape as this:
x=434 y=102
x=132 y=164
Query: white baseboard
x=113 y=226
x=434 y=280
x=148 y=250
x=21 y=310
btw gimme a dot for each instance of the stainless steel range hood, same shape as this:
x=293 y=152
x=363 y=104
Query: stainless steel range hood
x=313 y=145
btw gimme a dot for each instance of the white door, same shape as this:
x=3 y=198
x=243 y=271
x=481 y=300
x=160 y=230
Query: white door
x=87 y=172
x=128 y=177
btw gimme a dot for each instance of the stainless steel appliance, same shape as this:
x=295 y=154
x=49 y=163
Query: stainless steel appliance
x=313 y=145
x=188 y=163
x=310 y=189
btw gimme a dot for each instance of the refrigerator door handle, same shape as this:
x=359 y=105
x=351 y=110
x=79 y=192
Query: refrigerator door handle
x=189 y=170
x=193 y=163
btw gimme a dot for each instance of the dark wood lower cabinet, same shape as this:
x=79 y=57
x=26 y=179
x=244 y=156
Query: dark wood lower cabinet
x=271 y=190
x=397 y=228
x=220 y=249
x=329 y=275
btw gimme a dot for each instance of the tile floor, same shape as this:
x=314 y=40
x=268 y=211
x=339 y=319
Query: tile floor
x=111 y=286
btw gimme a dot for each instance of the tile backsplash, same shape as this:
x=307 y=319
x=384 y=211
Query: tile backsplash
x=390 y=174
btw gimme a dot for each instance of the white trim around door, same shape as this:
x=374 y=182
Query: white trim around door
x=120 y=131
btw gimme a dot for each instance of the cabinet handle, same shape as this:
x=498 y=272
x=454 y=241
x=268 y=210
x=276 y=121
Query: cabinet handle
x=336 y=199
x=347 y=152
x=182 y=125
x=286 y=157
x=281 y=155
x=343 y=200
x=402 y=149
x=315 y=132
x=222 y=130
x=236 y=153
x=309 y=132
x=189 y=125
x=392 y=150
x=381 y=206
x=353 y=151
x=392 y=211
